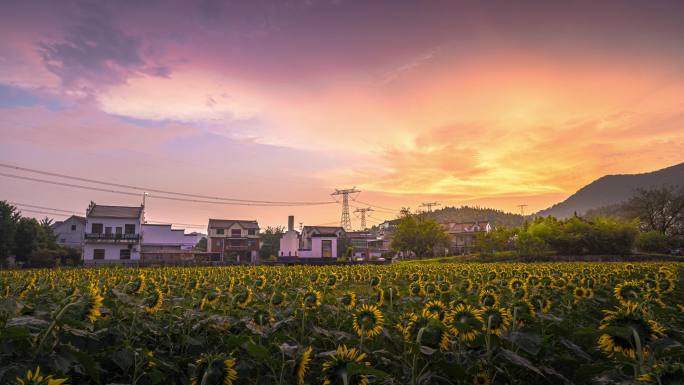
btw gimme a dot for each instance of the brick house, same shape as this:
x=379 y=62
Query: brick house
x=232 y=238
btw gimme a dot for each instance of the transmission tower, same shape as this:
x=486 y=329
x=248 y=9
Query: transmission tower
x=363 y=216
x=429 y=205
x=522 y=210
x=345 y=222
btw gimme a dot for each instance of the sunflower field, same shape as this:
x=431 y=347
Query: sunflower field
x=458 y=323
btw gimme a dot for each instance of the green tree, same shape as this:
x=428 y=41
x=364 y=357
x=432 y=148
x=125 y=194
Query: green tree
x=419 y=235
x=26 y=238
x=270 y=241
x=9 y=217
x=652 y=242
x=202 y=244
x=498 y=239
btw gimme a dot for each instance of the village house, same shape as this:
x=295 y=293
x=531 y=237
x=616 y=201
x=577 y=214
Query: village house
x=366 y=245
x=230 y=238
x=464 y=235
x=162 y=243
x=112 y=233
x=320 y=241
x=69 y=233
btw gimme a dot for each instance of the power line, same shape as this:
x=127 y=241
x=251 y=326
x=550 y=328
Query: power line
x=147 y=189
x=429 y=205
x=393 y=211
x=151 y=196
x=363 y=216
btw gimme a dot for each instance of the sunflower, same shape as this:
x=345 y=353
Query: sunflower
x=631 y=318
x=416 y=289
x=540 y=303
x=666 y=285
x=628 y=292
x=522 y=311
x=379 y=296
x=435 y=308
x=495 y=320
x=303 y=365
x=427 y=331
x=348 y=300
x=331 y=281
x=260 y=282
x=335 y=368
x=444 y=287
x=261 y=318
x=430 y=289
x=481 y=378
x=516 y=284
x=277 y=298
x=93 y=301
x=368 y=321
x=243 y=298
x=311 y=299
x=375 y=281
x=664 y=374
x=579 y=293
x=465 y=322
x=214 y=369
x=154 y=302
x=35 y=378
x=489 y=298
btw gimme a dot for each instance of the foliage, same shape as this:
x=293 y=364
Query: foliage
x=407 y=323
x=418 y=235
x=9 y=216
x=660 y=209
x=652 y=242
x=202 y=244
x=270 y=241
x=498 y=239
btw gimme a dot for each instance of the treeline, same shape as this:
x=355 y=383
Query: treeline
x=652 y=221
x=29 y=240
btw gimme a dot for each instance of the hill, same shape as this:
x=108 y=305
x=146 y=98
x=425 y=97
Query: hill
x=612 y=189
x=472 y=214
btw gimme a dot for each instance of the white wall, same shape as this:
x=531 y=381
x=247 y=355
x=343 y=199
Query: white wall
x=112 y=251
x=67 y=237
x=317 y=248
x=165 y=235
x=289 y=244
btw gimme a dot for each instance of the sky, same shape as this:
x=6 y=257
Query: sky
x=489 y=103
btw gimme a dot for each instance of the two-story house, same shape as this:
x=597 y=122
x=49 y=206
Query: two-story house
x=112 y=233
x=232 y=238
x=464 y=235
x=70 y=232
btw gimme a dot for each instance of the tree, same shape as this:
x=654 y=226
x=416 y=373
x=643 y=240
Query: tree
x=9 y=217
x=419 y=235
x=498 y=239
x=46 y=236
x=202 y=244
x=270 y=241
x=26 y=238
x=660 y=209
x=652 y=242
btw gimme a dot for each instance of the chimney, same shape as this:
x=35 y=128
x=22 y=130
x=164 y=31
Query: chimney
x=290 y=223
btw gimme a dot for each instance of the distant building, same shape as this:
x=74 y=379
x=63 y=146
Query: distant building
x=289 y=242
x=70 y=232
x=162 y=243
x=112 y=233
x=320 y=241
x=231 y=238
x=464 y=235
x=366 y=245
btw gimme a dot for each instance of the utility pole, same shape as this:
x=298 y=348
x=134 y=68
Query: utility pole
x=345 y=221
x=429 y=205
x=522 y=210
x=363 y=216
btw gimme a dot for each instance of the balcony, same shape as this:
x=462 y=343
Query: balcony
x=101 y=237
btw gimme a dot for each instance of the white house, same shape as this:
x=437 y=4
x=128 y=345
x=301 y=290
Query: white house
x=112 y=233
x=163 y=236
x=314 y=242
x=70 y=232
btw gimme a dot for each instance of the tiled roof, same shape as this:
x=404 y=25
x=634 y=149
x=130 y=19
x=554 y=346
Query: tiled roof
x=465 y=227
x=322 y=229
x=225 y=223
x=99 y=211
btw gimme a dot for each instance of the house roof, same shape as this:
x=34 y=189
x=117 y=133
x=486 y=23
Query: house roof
x=331 y=230
x=100 y=211
x=224 y=223
x=75 y=217
x=465 y=227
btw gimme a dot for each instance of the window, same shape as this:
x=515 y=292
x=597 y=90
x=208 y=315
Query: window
x=119 y=230
x=251 y=232
x=73 y=227
x=219 y=231
x=97 y=228
x=98 y=254
x=125 y=254
x=108 y=230
x=235 y=233
x=129 y=229
x=326 y=248
x=236 y=242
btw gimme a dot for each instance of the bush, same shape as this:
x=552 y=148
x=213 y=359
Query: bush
x=652 y=242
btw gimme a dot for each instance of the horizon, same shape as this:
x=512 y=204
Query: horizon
x=467 y=104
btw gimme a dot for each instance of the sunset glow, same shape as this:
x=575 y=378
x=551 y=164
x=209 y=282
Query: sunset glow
x=494 y=103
